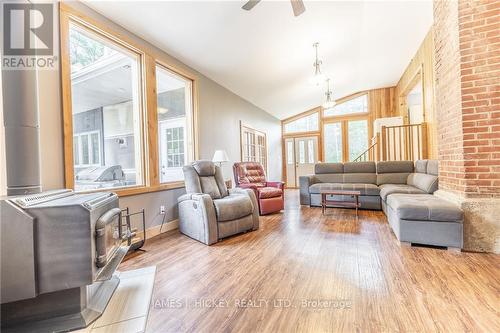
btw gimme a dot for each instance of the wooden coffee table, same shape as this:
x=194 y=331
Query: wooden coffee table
x=348 y=204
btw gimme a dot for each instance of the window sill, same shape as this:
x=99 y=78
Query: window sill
x=129 y=191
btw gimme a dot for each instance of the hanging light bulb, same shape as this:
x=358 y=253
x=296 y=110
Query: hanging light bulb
x=329 y=102
x=318 y=77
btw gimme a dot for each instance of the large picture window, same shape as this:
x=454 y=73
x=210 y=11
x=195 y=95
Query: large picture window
x=106 y=108
x=175 y=112
x=129 y=115
x=333 y=143
x=357 y=138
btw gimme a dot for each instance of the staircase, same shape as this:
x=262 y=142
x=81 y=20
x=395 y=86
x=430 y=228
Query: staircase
x=397 y=143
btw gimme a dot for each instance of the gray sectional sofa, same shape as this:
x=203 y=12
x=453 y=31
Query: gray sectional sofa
x=402 y=189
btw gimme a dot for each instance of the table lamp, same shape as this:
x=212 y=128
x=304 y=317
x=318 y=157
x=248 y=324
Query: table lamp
x=220 y=156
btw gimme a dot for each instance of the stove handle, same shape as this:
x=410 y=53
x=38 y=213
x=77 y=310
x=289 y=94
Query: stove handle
x=100 y=231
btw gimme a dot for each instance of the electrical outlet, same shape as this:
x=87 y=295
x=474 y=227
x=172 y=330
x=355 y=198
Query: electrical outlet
x=162 y=210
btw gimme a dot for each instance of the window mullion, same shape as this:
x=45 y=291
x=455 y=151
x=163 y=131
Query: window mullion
x=152 y=121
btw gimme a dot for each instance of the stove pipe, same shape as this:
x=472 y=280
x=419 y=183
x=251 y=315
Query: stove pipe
x=22 y=146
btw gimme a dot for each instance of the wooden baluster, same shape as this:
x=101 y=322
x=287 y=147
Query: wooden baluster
x=418 y=144
x=424 y=141
x=410 y=141
x=407 y=139
x=377 y=148
x=384 y=144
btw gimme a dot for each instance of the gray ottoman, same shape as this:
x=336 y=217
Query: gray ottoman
x=425 y=219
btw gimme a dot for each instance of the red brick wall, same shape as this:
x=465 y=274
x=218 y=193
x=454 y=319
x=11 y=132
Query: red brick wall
x=467 y=69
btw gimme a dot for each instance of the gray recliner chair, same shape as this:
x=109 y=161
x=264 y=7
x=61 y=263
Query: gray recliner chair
x=209 y=211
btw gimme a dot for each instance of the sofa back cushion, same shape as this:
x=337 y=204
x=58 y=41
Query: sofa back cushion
x=329 y=172
x=357 y=178
x=327 y=168
x=393 y=172
x=205 y=177
x=360 y=172
x=421 y=166
x=425 y=182
x=329 y=178
x=432 y=167
x=249 y=173
x=360 y=167
x=353 y=172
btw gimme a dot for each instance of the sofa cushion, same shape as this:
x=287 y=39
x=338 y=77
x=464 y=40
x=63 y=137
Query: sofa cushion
x=363 y=178
x=387 y=189
x=249 y=172
x=359 y=167
x=392 y=178
x=394 y=167
x=364 y=189
x=210 y=187
x=424 y=207
x=269 y=192
x=427 y=183
x=233 y=207
x=321 y=168
x=421 y=166
x=329 y=178
x=393 y=172
x=204 y=168
x=433 y=167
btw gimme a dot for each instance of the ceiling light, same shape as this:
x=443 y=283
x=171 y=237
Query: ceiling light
x=162 y=110
x=329 y=102
x=318 y=77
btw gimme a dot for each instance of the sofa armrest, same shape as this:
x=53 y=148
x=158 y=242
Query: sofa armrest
x=304 y=183
x=247 y=185
x=275 y=184
x=197 y=218
x=251 y=194
x=250 y=186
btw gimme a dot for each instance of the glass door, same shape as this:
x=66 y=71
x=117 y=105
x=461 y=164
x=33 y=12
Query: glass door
x=306 y=156
x=290 y=162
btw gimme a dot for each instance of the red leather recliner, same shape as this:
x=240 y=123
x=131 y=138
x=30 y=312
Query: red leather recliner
x=269 y=194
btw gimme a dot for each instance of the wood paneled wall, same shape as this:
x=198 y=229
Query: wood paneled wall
x=421 y=67
x=382 y=103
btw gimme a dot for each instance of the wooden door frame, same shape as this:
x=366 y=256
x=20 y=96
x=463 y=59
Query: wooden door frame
x=417 y=77
x=316 y=134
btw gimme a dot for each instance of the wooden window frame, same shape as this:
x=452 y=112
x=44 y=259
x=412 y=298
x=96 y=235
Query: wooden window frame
x=343 y=119
x=245 y=128
x=149 y=59
x=192 y=155
x=346 y=99
x=344 y=123
x=299 y=116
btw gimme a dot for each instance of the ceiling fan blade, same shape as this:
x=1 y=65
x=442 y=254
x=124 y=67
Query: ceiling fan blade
x=298 y=7
x=250 y=4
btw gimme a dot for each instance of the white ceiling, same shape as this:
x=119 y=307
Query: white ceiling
x=266 y=55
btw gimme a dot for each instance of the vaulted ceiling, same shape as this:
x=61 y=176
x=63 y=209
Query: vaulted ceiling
x=265 y=55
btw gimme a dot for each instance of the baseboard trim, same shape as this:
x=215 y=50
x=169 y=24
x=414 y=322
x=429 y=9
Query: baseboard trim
x=167 y=226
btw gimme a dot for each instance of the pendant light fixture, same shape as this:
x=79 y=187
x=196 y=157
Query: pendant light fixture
x=329 y=102
x=318 y=77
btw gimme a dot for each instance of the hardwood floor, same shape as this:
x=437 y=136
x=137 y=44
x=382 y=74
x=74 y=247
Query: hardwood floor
x=366 y=280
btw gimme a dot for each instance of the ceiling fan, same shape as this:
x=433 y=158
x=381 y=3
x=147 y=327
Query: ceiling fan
x=297 y=6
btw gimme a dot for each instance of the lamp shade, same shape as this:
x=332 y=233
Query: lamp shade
x=220 y=156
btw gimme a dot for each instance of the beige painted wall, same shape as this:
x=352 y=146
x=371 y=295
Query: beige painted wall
x=220 y=112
